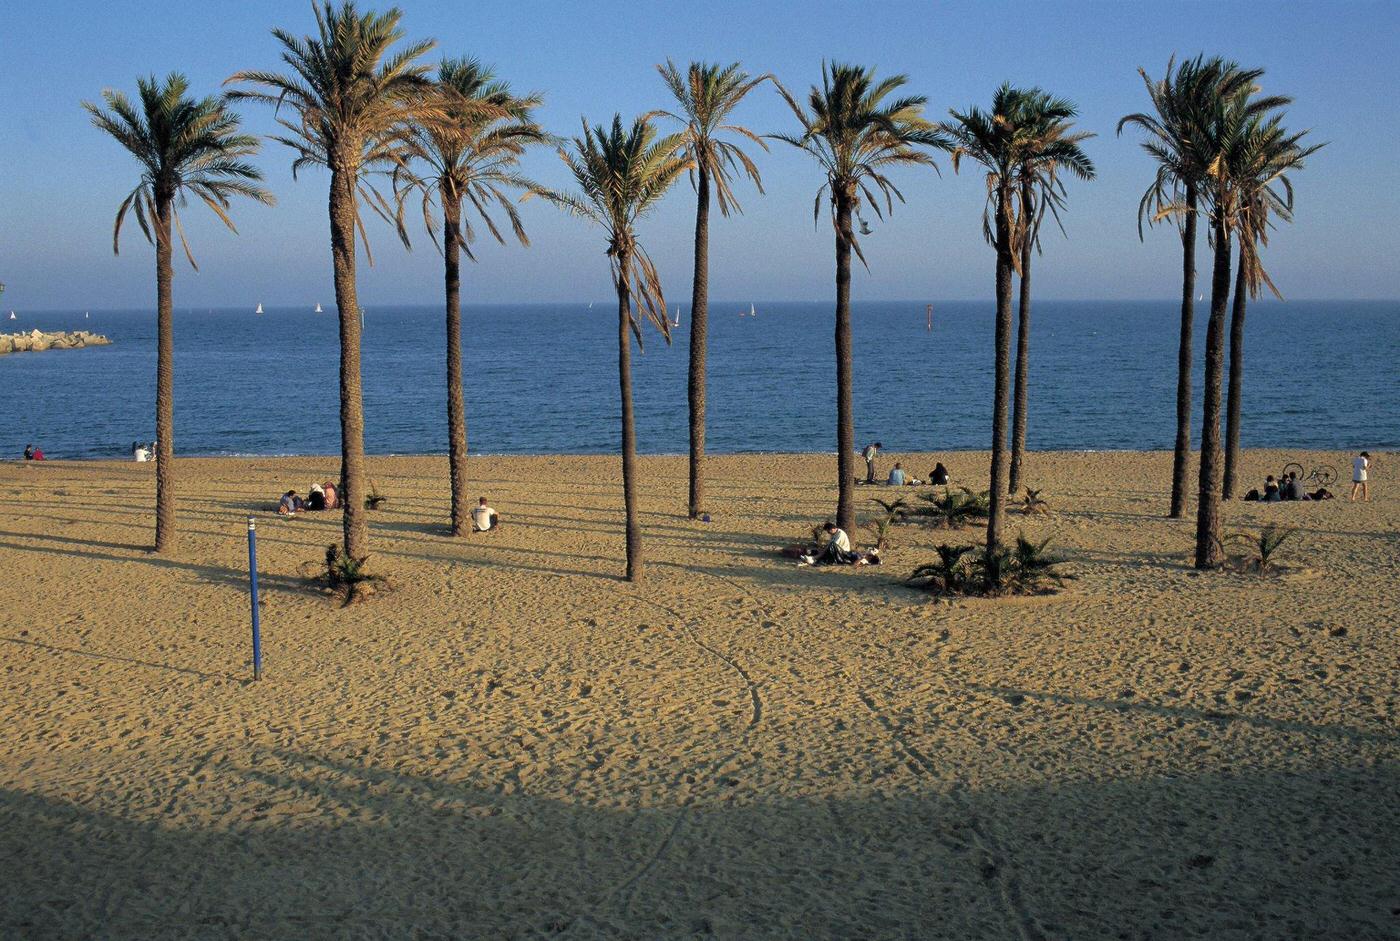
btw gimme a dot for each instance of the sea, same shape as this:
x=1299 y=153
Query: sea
x=542 y=378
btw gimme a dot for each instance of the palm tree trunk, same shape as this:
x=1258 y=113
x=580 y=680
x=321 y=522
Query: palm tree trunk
x=1232 y=412
x=456 y=408
x=997 y=510
x=1023 y=343
x=165 y=378
x=629 y=427
x=352 y=412
x=699 y=325
x=1181 y=455
x=845 y=416
x=1209 y=551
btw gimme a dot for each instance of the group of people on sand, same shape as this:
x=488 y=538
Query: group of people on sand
x=1289 y=487
x=897 y=476
x=324 y=496
x=32 y=453
x=141 y=453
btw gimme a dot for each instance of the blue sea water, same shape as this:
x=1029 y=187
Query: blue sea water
x=543 y=379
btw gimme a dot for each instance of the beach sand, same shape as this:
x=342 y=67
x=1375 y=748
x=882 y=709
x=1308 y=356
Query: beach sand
x=513 y=742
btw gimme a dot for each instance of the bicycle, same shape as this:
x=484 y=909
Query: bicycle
x=1324 y=474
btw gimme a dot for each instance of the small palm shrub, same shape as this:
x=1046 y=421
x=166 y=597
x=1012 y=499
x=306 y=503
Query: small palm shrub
x=881 y=526
x=955 y=509
x=947 y=576
x=375 y=499
x=348 y=575
x=1032 y=502
x=1261 y=547
x=812 y=545
x=1024 y=569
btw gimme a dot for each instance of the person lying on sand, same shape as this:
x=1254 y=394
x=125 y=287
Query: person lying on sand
x=484 y=518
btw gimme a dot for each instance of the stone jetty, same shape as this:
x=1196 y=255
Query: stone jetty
x=36 y=341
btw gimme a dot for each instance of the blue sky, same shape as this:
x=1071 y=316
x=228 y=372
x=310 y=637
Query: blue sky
x=61 y=180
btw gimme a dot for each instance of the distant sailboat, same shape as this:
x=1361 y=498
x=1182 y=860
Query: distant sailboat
x=86 y=315
x=677 y=321
x=928 y=311
x=752 y=312
x=318 y=309
x=590 y=305
x=259 y=309
x=12 y=315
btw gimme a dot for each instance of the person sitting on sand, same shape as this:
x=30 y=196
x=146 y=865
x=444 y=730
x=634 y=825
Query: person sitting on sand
x=139 y=452
x=1271 y=491
x=896 y=478
x=290 y=504
x=938 y=476
x=838 y=548
x=1294 y=490
x=483 y=517
x=316 y=499
x=32 y=453
x=332 y=497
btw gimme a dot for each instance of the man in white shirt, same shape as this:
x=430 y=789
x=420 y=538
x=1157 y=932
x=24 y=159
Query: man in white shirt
x=1359 y=466
x=484 y=518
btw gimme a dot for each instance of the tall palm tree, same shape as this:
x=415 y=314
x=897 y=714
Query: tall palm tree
x=856 y=136
x=1267 y=154
x=185 y=146
x=352 y=100
x=997 y=139
x=621 y=174
x=471 y=152
x=1224 y=133
x=707 y=94
x=1181 y=101
x=1049 y=147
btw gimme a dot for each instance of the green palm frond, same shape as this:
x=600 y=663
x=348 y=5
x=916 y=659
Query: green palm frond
x=707 y=94
x=621 y=173
x=184 y=145
x=353 y=101
x=855 y=134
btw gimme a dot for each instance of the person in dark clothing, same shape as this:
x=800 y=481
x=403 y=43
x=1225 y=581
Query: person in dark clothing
x=939 y=475
x=871 y=450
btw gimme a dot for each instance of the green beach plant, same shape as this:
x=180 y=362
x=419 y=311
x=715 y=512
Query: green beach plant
x=467 y=151
x=881 y=526
x=350 y=576
x=857 y=132
x=707 y=94
x=374 y=499
x=954 y=509
x=621 y=174
x=352 y=100
x=1262 y=547
x=185 y=146
x=1032 y=502
x=947 y=576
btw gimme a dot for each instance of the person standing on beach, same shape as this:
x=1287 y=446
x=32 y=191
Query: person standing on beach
x=1359 y=466
x=869 y=454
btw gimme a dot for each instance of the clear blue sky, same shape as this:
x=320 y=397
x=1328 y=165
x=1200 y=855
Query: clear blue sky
x=61 y=180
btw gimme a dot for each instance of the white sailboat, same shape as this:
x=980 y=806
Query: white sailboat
x=677 y=321
x=87 y=316
x=318 y=309
x=259 y=309
x=12 y=315
x=751 y=313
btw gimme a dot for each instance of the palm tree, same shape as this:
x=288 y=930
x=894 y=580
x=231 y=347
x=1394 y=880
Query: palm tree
x=471 y=152
x=185 y=146
x=707 y=94
x=998 y=140
x=1267 y=154
x=1181 y=101
x=856 y=136
x=621 y=175
x=1224 y=134
x=352 y=101
x=1049 y=146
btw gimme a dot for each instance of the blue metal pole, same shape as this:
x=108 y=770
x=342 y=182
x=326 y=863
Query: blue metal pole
x=253 y=590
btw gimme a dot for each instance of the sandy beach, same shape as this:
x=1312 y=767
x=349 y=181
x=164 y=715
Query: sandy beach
x=514 y=743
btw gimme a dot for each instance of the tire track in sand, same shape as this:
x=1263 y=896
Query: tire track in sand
x=998 y=862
